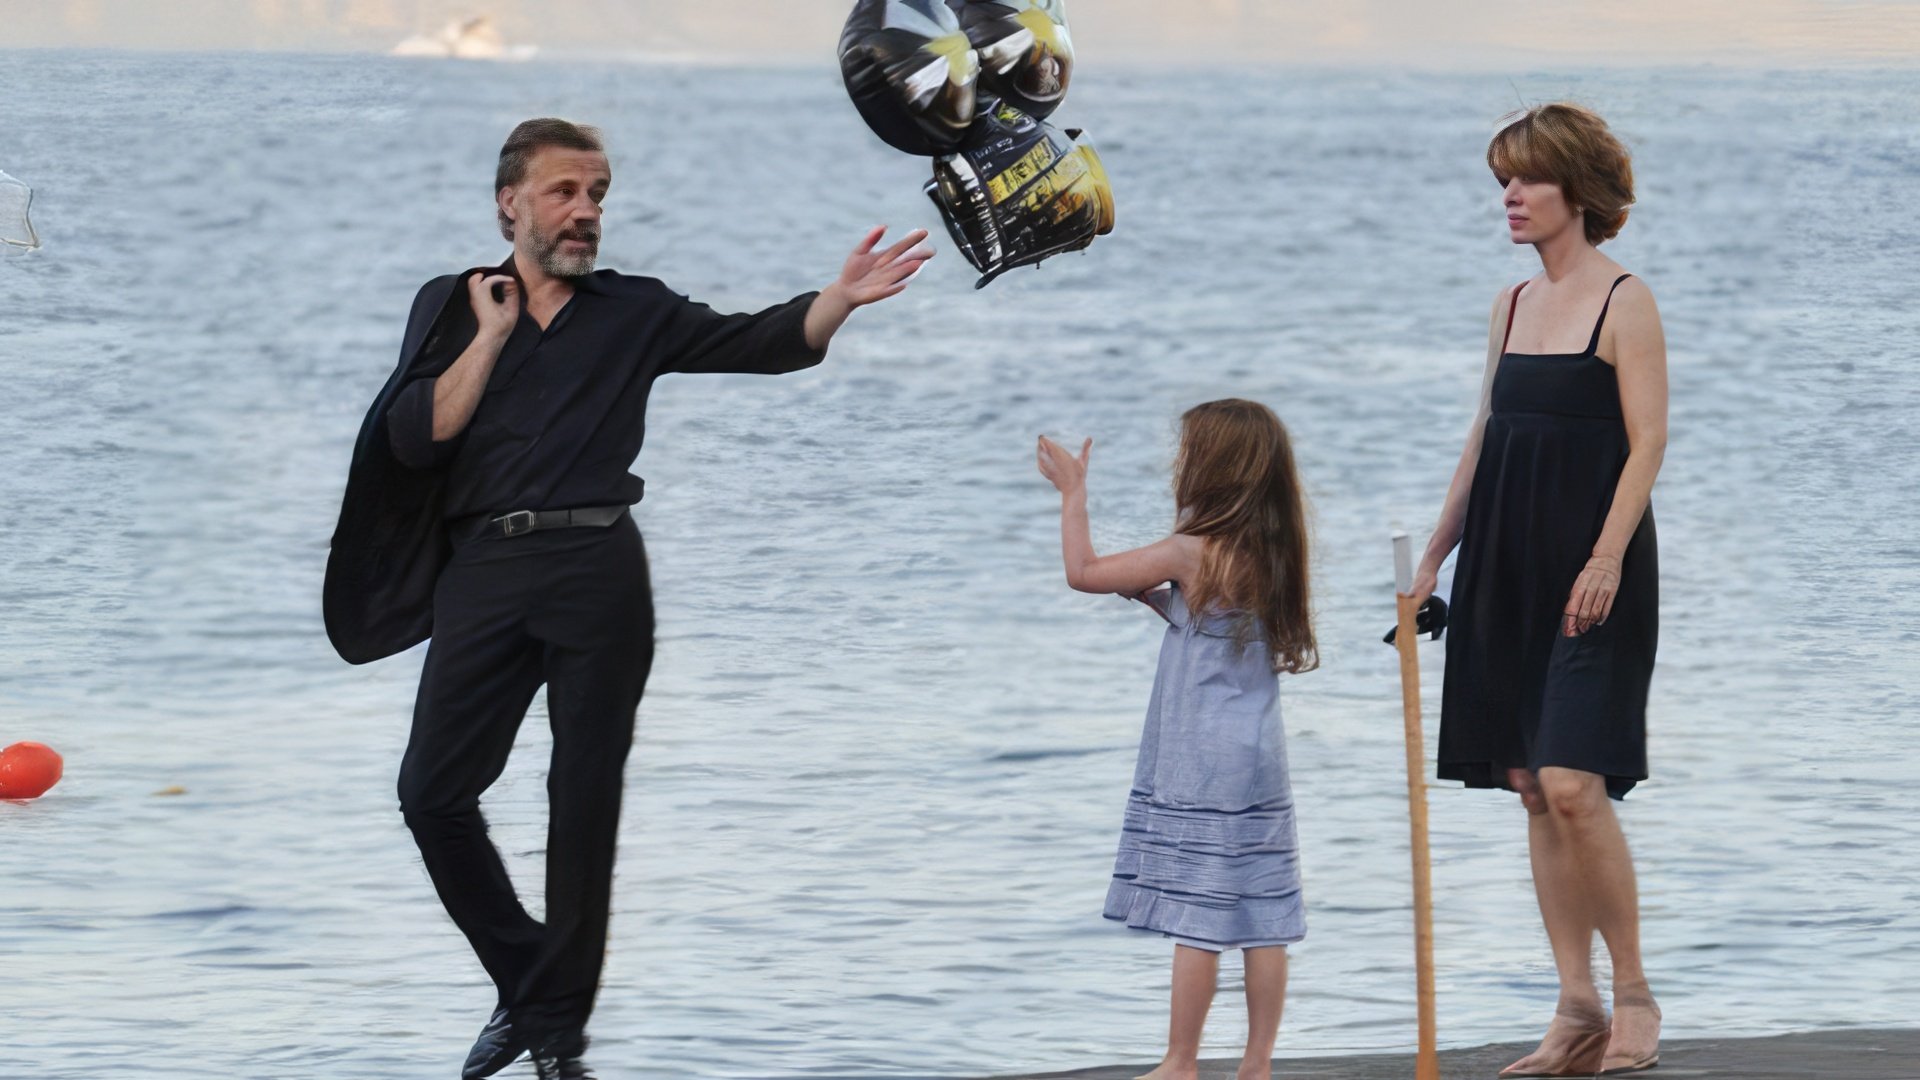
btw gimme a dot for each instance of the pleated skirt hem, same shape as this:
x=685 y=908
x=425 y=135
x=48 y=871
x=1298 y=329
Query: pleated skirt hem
x=1245 y=923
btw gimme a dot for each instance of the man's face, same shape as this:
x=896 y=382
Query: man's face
x=556 y=209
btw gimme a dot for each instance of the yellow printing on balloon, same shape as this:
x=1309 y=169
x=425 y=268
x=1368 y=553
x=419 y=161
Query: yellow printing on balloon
x=1062 y=182
x=1020 y=173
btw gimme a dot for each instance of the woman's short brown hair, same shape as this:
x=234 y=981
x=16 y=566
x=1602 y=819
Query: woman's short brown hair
x=1572 y=147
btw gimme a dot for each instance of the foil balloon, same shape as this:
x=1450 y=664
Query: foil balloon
x=970 y=83
x=1020 y=191
x=1026 y=55
x=911 y=72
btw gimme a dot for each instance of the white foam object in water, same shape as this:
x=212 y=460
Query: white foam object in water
x=16 y=227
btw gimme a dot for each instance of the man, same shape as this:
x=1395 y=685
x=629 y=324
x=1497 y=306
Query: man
x=487 y=507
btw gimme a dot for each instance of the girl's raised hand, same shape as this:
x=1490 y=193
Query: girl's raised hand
x=1066 y=472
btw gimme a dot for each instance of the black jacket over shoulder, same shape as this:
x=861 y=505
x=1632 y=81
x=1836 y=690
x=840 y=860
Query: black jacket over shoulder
x=392 y=539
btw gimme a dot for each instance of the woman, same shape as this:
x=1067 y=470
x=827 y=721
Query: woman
x=1555 y=596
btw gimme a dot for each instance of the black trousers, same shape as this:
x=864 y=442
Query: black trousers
x=571 y=608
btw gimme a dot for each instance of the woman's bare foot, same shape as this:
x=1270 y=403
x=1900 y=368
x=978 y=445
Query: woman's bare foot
x=1575 y=1044
x=1255 y=1070
x=1171 y=1070
x=1636 y=1030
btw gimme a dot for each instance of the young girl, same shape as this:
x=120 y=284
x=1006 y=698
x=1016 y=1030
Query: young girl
x=1208 y=855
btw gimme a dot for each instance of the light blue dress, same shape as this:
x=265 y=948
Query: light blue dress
x=1208 y=853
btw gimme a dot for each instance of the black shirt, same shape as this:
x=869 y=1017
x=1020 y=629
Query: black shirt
x=563 y=415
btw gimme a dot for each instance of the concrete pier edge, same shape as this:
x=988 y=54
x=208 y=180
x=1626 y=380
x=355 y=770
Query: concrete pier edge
x=1831 y=1054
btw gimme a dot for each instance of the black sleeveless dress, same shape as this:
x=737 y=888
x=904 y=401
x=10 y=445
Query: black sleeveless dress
x=1518 y=693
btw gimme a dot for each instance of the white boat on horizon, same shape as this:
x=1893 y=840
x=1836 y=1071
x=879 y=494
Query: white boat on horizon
x=464 y=39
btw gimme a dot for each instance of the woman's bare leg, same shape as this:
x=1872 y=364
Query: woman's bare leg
x=1266 y=970
x=1606 y=878
x=1555 y=833
x=1195 y=974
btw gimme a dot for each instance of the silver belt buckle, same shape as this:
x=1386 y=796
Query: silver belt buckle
x=517 y=523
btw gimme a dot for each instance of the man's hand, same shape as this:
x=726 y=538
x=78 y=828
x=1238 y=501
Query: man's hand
x=497 y=317
x=868 y=276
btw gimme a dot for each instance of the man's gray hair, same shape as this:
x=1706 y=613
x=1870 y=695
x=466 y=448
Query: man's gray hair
x=526 y=140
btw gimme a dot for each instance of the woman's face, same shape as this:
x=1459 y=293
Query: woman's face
x=1537 y=210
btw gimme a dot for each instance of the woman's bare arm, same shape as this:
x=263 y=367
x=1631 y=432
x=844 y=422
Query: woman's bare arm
x=1453 y=513
x=1640 y=365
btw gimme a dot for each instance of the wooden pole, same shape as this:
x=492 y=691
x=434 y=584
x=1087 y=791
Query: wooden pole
x=1427 y=1064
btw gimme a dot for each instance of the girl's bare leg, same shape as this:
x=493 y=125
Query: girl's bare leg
x=1266 y=996
x=1195 y=974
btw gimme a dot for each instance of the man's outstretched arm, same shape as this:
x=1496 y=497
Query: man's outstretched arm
x=793 y=335
x=866 y=278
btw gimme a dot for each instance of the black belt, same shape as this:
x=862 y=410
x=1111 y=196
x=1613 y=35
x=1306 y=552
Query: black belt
x=522 y=522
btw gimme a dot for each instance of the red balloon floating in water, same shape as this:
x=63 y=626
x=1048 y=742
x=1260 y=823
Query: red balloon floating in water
x=27 y=770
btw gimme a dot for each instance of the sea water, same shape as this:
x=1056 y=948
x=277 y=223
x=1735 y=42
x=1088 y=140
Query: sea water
x=877 y=785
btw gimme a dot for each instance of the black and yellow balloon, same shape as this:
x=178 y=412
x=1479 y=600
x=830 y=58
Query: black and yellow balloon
x=970 y=83
x=1019 y=191
x=912 y=72
x=1026 y=54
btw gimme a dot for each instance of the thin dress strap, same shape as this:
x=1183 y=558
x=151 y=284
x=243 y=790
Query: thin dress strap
x=1512 y=305
x=1593 y=343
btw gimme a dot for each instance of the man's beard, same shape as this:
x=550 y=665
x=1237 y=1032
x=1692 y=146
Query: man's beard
x=558 y=263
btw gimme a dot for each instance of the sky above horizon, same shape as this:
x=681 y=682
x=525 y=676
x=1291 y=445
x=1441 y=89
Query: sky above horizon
x=1435 y=34
x=1439 y=33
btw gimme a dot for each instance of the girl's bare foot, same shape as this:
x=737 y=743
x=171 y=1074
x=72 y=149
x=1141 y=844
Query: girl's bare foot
x=1575 y=1044
x=1254 y=1070
x=1635 y=1043
x=1170 y=1070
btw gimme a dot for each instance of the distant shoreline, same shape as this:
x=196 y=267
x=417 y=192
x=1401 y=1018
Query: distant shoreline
x=1124 y=64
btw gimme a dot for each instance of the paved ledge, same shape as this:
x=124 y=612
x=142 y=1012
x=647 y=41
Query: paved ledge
x=1855 y=1054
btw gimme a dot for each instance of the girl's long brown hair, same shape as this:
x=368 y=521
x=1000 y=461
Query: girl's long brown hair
x=1234 y=483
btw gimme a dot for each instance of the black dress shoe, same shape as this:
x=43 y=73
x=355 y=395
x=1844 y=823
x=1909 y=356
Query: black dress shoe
x=499 y=1045
x=558 y=1057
